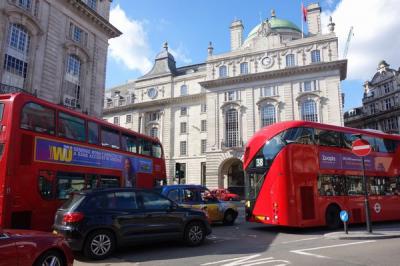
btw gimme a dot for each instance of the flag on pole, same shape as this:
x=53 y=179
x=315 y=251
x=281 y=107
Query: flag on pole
x=304 y=11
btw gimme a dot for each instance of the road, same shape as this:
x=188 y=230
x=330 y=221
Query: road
x=251 y=244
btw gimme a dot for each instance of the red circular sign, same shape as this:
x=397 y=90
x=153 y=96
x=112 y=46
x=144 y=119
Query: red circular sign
x=361 y=147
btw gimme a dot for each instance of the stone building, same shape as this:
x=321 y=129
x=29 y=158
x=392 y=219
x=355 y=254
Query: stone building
x=380 y=108
x=56 y=50
x=205 y=113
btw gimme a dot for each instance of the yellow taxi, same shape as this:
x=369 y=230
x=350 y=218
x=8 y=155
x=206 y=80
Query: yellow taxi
x=199 y=197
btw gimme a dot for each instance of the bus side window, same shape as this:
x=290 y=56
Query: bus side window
x=328 y=138
x=109 y=181
x=46 y=185
x=129 y=143
x=38 y=118
x=93 y=132
x=110 y=138
x=354 y=185
x=71 y=127
x=385 y=145
x=156 y=150
x=347 y=140
x=68 y=183
x=92 y=181
x=298 y=135
x=144 y=147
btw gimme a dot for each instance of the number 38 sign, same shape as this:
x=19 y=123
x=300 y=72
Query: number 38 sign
x=260 y=162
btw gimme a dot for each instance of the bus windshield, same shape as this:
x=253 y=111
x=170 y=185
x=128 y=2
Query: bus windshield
x=259 y=166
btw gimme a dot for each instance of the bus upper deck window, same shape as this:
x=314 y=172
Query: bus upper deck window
x=93 y=132
x=38 y=118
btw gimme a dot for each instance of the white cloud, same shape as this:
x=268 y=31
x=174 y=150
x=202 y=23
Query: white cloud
x=132 y=47
x=376 y=34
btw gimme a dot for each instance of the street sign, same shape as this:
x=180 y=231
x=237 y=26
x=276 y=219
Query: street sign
x=344 y=216
x=361 y=147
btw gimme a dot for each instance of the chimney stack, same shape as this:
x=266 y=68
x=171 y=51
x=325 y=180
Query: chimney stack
x=236 y=34
x=314 y=19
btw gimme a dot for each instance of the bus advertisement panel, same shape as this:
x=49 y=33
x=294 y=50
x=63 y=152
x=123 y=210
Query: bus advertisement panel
x=303 y=174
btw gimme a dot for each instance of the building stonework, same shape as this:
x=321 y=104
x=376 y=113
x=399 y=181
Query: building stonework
x=380 y=108
x=204 y=114
x=56 y=50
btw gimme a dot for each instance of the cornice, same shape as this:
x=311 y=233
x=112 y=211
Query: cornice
x=129 y=107
x=365 y=119
x=316 y=67
x=105 y=25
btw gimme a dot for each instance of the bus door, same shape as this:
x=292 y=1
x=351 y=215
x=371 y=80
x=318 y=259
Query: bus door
x=44 y=215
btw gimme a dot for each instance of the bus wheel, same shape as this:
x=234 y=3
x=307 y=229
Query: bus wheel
x=332 y=217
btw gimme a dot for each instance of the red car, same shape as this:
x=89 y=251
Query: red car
x=224 y=194
x=27 y=247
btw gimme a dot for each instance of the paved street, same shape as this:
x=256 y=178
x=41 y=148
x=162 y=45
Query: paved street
x=254 y=244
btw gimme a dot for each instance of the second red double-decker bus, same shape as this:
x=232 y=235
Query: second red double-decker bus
x=48 y=151
x=302 y=174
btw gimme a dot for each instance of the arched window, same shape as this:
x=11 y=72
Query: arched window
x=154 y=132
x=223 y=71
x=268 y=115
x=309 y=111
x=184 y=90
x=19 y=38
x=231 y=128
x=315 y=56
x=290 y=60
x=244 y=68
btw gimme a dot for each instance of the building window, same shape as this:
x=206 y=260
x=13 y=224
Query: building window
x=25 y=4
x=268 y=91
x=153 y=116
x=183 y=111
x=91 y=3
x=116 y=120
x=183 y=127
x=184 y=90
x=223 y=71
x=15 y=66
x=232 y=96
x=268 y=115
x=372 y=108
x=309 y=85
x=315 y=56
x=203 y=107
x=309 y=111
x=244 y=68
x=388 y=104
x=203 y=146
x=231 y=128
x=128 y=118
x=290 y=60
x=154 y=132
x=73 y=65
x=183 y=148
x=203 y=173
x=77 y=34
x=19 y=38
x=203 y=125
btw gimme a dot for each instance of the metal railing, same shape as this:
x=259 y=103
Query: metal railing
x=5 y=89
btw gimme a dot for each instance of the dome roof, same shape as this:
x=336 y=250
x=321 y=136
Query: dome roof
x=276 y=24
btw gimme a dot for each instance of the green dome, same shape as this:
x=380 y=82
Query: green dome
x=276 y=24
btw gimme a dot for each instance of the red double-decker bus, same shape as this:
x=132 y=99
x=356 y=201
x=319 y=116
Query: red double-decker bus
x=303 y=174
x=48 y=151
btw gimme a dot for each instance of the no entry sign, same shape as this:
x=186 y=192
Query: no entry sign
x=361 y=147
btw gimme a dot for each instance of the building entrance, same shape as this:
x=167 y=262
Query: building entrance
x=232 y=176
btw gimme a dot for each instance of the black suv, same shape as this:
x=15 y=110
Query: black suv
x=97 y=221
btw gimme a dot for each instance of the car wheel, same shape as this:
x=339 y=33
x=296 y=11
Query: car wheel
x=99 y=244
x=229 y=217
x=332 y=217
x=51 y=258
x=195 y=233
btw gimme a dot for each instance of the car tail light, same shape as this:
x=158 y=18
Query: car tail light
x=73 y=217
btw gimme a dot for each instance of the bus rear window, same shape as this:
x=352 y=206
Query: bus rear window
x=1 y=111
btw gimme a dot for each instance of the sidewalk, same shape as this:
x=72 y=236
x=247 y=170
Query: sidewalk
x=379 y=231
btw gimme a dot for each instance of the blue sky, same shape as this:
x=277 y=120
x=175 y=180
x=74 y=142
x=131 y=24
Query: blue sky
x=188 y=26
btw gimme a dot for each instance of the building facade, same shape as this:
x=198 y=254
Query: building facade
x=56 y=50
x=205 y=113
x=380 y=108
